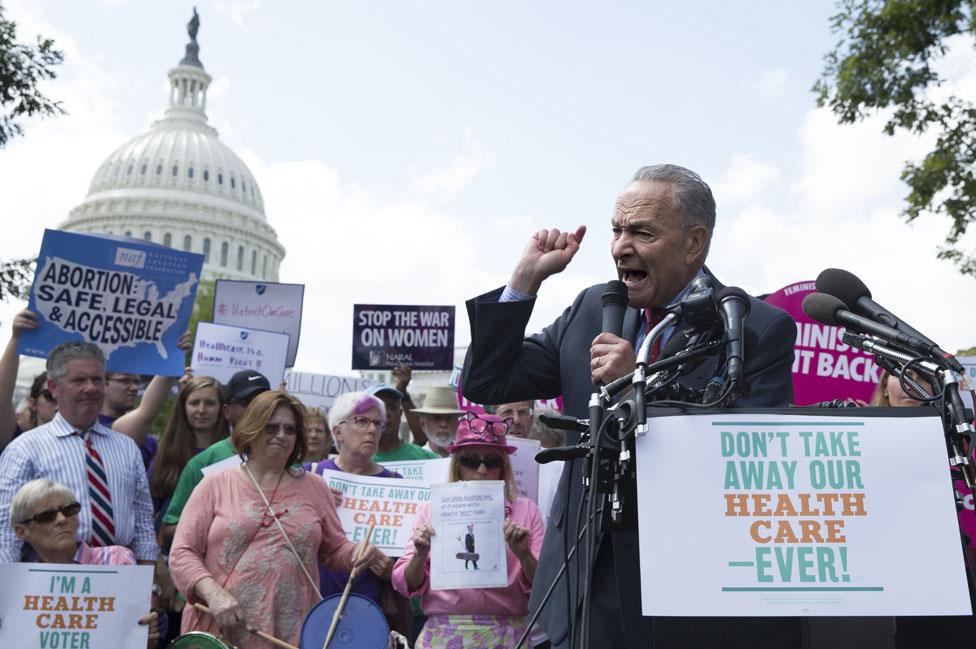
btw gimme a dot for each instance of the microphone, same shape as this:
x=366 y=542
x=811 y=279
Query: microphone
x=734 y=305
x=850 y=290
x=564 y=422
x=564 y=453
x=717 y=384
x=830 y=310
x=614 y=304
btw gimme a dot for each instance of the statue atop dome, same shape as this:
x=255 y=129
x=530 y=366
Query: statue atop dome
x=193 y=48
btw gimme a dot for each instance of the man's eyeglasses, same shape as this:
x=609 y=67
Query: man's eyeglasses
x=479 y=425
x=50 y=515
x=127 y=381
x=365 y=422
x=475 y=461
x=287 y=429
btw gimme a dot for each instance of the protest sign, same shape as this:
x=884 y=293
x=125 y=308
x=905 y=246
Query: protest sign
x=549 y=475
x=429 y=471
x=468 y=548
x=969 y=374
x=321 y=390
x=221 y=351
x=50 y=605
x=824 y=366
x=223 y=465
x=804 y=515
x=266 y=306
x=391 y=504
x=385 y=336
x=131 y=298
x=524 y=466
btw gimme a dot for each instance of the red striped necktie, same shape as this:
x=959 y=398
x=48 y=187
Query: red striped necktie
x=103 y=522
x=653 y=316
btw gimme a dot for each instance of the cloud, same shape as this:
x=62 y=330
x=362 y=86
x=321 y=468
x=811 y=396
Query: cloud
x=770 y=84
x=239 y=12
x=446 y=182
x=349 y=247
x=745 y=179
x=843 y=210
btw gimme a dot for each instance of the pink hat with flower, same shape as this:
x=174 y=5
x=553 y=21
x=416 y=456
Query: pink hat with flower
x=481 y=430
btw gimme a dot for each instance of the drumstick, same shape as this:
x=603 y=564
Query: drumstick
x=345 y=592
x=261 y=634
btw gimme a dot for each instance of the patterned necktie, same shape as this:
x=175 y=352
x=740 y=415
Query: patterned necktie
x=653 y=316
x=103 y=523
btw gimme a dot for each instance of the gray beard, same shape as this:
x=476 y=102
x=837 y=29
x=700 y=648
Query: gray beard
x=441 y=440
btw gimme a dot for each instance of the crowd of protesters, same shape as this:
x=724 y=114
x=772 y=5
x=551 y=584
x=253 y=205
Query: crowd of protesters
x=230 y=540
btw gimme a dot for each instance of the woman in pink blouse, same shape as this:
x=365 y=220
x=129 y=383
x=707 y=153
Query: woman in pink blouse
x=476 y=618
x=237 y=540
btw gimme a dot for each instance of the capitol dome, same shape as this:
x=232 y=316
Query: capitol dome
x=180 y=186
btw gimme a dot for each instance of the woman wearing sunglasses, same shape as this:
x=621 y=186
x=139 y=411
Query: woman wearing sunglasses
x=358 y=421
x=478 y=617
x=250 y=539
x=44 y=515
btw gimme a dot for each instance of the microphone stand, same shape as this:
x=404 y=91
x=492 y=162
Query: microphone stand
x=601 y=471
x=958 y=429
x=959 y=432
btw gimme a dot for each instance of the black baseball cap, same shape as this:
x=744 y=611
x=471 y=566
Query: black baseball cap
x=244 y=385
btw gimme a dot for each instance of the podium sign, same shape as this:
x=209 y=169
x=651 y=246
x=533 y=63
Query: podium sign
x=763 y=513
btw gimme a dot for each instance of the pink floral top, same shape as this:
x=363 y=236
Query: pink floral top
x=225 y=533
x=508 y=601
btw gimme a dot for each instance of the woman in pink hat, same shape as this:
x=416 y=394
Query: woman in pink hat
x=477 y=618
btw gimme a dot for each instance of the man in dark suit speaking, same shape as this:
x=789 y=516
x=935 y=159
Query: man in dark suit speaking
x=662 y=226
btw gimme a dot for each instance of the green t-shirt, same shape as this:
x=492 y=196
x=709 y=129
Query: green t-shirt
x=407 y=451
x=192 y=474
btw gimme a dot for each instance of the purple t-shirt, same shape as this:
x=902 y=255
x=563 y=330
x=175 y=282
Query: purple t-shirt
x=148 y=447
x=366 y=583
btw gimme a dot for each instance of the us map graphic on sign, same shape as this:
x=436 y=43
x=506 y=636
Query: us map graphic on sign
x=130 y=298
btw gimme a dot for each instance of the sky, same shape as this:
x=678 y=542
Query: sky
x=406 y=151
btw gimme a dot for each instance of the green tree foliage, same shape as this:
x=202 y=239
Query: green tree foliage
x=22 y=69
x=16 y=276
x=885 y=60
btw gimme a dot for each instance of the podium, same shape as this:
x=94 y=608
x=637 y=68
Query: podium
x=842 y=524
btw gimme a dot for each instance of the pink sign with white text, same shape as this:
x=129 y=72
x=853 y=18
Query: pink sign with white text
x=824 y=366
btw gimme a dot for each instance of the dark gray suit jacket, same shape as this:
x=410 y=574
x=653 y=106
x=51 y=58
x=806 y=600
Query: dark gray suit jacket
x=502 y=365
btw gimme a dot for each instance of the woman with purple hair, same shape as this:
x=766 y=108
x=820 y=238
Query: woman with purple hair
x=357 y=421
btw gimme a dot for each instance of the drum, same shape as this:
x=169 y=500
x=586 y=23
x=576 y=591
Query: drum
x=200 y=640
x=362 y=625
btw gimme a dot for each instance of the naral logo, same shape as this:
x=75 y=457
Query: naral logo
x=260 y=288
x=244 y=335
x=130 y=257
